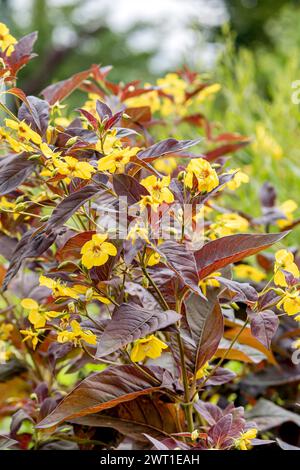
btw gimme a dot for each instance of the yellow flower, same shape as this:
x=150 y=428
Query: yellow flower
x=290 y=302
x=239 y=178
x=158 y=188
x=77 y=335
x=72 y=168
x=97 y=251
x=110 y=143
x=58 y=288
x=244 y=441
x=209 y=282
x=117 y=159
x=7 y=41
x=200 y=170
x=288 y=208
x=245 y=271
x=5 y=331
x=147 y=347
x=89 y=293
x=138 y=231
x=5 y=354
x=150 y=98
x=203 y=371
x=296 y=344
x=266 y=143
x=153 y=259
x=194 y=435
x=165 y=165
x=48 y=152
x=172 y=85
x=37 y=316
x=284 y=260
x=6 y=204
x=228 y=224
x=25 y=133
x=207 y=91
x=148 y=201
x=32 y=335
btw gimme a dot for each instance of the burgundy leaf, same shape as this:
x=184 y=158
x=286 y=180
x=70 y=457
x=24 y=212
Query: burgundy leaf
x=129 y=323
x=210 y=412
x=220 y=431
x=267 y=415
x=164 y=147
x=205 y=321
x=268 y=195
x=107 y=389
x=125 y=185
x=72 y=247
x=135 y=418
x=220 y=377
x=104 y=111
x=241 y=292
x=113 y=120
x=31 y=245
x=6 y=442
x=285 y=446
x=224 y=150
x=22 y=52
x=61 y=90
x=182 y=261
x=68 y=206
x=226 y=250
x=35 y=114
x=14 y=171
x=264 y=326
x=90 y=117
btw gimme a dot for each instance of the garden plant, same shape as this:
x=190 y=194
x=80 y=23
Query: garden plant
x=141 y=306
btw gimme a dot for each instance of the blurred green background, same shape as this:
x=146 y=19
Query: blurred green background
x=250 y=47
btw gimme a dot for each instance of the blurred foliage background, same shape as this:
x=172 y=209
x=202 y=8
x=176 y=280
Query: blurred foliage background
x=250 y=47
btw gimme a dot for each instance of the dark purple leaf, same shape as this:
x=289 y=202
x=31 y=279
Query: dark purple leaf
x=267 y=415
x=14 y=171
x=6 y=442
x=220 y=377
x=10 y=369
x=31 y=245
x=68 y=206
x=61 y=90
x=220 y=431
x=129 y=323
x=240 y=292
x=22 y=52
x=125 y=185
x=107 y=389
x=104 y=111
x=264 y=326
x=226 y=250
x=36 y=115
x=268 y=195
x=285 y=446
x=135 y=418
x=164 y=147
x=205 y=321
x=182 y=261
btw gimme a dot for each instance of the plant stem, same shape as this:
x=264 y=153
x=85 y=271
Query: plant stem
x=187 y=405
x=161 y=299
